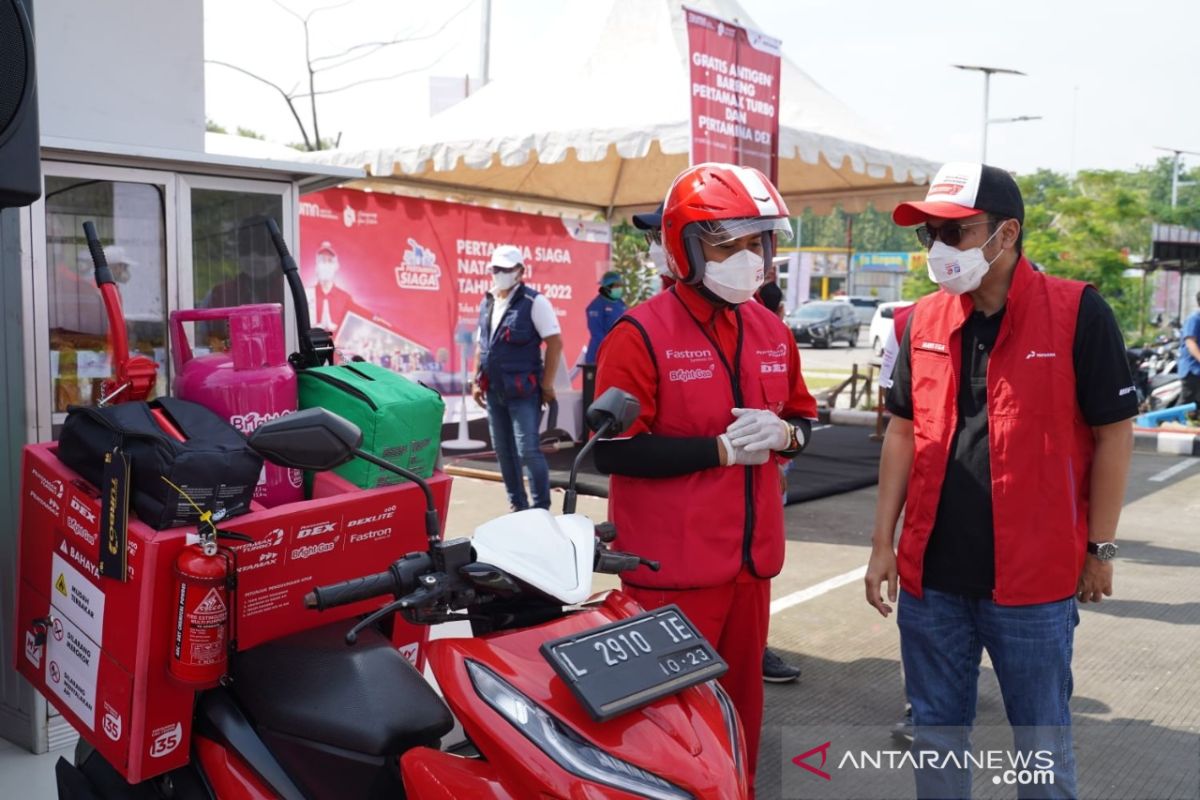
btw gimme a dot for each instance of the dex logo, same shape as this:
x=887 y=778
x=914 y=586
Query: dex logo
x=802 y=760
x=82 y=509
x=316 y=529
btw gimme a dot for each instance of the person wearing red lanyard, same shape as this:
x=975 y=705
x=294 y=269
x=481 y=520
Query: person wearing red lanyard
x=695 y=480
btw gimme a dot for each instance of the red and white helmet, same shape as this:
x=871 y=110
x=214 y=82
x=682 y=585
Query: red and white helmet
x=717 y=203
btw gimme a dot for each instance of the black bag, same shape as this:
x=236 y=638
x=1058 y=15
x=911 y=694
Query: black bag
x=215 y=466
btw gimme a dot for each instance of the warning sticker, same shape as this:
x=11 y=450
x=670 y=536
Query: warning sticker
x=80 y=600
x=72 y=665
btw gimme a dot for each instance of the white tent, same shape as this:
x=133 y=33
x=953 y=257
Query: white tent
x=603 y=127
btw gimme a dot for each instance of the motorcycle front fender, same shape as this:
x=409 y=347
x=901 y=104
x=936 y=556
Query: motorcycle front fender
x=433 y=775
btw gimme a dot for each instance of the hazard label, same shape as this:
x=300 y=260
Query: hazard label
x=211 y=604
x=81 y=601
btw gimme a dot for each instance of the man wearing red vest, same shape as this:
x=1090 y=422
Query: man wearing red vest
x=1008 y=451
x=695 y=481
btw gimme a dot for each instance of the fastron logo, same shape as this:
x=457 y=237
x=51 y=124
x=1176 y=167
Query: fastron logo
x=371 y=536
x=77 y=528
x=687 y=375
x=1036 y=354
x=81 y=507
x=387 y=513
x=316 y=529
x=310 y=550
x=55 y=487
x=165 y=740
x=690 y=355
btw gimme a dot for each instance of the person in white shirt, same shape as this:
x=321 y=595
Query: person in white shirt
x=511 y=381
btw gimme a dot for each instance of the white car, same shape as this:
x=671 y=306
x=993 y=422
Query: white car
x=878 y=333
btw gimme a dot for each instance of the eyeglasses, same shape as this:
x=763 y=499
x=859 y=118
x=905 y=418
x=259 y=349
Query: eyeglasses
x=951 y=233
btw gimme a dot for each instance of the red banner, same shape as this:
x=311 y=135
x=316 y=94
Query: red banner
x=735 y=94
x=403 y=276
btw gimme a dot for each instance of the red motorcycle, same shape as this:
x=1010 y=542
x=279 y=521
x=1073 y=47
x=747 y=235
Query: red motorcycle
x=559 y=695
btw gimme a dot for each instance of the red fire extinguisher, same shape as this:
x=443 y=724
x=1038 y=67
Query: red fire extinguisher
x=200 y=648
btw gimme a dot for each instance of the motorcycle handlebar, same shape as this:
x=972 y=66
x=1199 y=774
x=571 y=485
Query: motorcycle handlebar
x=399 y=578
x=351 y=591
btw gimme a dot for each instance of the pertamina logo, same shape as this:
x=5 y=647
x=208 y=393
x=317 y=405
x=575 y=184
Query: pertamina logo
x=266 y=552
x=774 y=352
x=1036 y=354
x=310 y=550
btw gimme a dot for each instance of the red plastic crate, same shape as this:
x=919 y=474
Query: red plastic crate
x=97 y=648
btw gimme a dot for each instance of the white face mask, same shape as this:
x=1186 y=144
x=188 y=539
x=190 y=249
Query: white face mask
x=737 y=278
x=958 y=271
x=326 y=270
x=503 y=281
x=659 y=257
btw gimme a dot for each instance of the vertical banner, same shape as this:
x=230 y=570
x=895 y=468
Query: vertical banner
x=399 y=280
x=734 y=83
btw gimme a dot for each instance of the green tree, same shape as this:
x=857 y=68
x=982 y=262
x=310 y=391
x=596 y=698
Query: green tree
x=630 y=258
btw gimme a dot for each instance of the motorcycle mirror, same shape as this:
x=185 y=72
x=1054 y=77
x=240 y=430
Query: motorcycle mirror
x=615 y=405
x=314 y=438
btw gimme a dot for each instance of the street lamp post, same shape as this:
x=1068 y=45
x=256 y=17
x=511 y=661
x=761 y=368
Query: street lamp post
x=988 y=72
x=1175 y=182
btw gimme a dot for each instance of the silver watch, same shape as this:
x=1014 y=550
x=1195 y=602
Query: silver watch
x=1105 y=551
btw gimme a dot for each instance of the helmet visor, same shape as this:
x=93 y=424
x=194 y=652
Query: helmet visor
x=720 y=231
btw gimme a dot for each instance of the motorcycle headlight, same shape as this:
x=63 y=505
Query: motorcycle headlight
x=731 y=726
x=562 y=744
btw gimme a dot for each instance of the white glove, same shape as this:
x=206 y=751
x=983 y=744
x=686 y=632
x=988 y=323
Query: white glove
x=738 y=455
x=757 y=429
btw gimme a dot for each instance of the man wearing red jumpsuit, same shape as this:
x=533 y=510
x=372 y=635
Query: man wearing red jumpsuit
x=695 y=480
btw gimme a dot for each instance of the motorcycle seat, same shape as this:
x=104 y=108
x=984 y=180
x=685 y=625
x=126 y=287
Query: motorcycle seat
x=364 y=698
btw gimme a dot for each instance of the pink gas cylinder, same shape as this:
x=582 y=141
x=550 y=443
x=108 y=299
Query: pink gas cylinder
x=249 y=385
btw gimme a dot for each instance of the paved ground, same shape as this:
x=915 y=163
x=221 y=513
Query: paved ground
x=1137 y=665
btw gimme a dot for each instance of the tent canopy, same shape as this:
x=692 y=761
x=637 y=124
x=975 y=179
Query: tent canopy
x=604 y=127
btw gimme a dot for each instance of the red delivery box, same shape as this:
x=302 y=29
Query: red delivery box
x=97 y=647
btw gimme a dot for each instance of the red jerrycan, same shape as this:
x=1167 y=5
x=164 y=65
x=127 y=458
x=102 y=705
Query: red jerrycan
x=249 y=385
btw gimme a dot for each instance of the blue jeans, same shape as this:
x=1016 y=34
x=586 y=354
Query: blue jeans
x=942 y=637
x=514 y=427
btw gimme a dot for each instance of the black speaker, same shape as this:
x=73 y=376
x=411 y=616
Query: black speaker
x=20 y=157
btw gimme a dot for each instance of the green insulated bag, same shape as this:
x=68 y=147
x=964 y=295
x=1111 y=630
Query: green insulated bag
x=401 y=421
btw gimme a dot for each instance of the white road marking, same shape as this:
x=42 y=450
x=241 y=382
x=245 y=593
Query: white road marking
x=816 y=590
x=1171 y=472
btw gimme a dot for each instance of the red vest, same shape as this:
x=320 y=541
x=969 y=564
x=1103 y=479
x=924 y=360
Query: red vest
x=1040 y=447
x=704 y=526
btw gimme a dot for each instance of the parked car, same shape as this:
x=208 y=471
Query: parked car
x=864 y=307
x=823 y=323
x=880 y=323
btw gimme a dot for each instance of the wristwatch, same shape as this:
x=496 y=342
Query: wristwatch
x=1105 y=551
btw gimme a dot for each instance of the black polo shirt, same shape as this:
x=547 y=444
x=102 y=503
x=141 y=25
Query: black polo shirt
x=960 y=556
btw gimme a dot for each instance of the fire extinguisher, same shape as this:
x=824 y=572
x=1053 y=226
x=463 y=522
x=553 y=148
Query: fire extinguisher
x=200 y=647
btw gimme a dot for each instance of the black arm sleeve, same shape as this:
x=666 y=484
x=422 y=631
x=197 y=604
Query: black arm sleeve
x=649 y=456
x=899 y=396
x=1103 y=384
